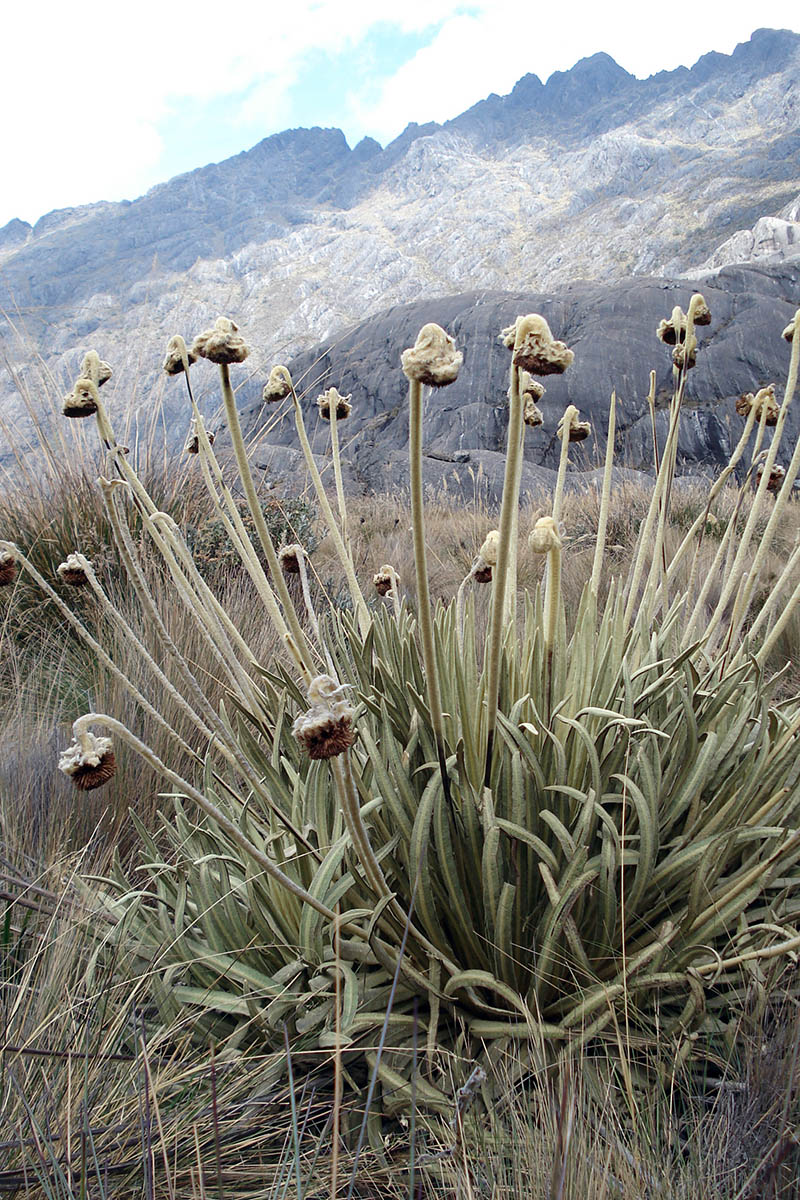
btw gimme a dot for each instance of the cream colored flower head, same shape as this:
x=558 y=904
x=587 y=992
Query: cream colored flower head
x=699 y=310
x=671 y=331
x=278 y=386
x=489 y=550
x=577 y=430
x=326 y=729
x=684 y=355
x=764 y=398
x=433 y=359
x=332 y=400
x=544 y=536
x=534 y=347
x=776 y=477
x=73 y=570
x=222 y=344
x=176 y=352
x=82 y=401
x=192 y=443
x=93 y=362
x=289 y=557
x=385 y=580
x=89 y=761
x=794 y=324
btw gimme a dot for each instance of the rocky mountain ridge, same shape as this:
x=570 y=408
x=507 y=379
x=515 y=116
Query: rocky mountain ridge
x=594 y=175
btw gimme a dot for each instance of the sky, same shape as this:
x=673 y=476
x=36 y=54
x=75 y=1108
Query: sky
x=102 y=100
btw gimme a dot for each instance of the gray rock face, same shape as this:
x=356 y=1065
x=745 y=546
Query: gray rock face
x=612 y=332
x=594 y=175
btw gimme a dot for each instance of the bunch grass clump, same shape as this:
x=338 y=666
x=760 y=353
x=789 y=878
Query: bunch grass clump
x=417 y=835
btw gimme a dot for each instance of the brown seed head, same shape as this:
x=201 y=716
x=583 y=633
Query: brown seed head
x=534 y=347
x=685 y=353
x=8 y=568
x=73 y=571
x=700 y=310
x=672 y=331
x=278 y=386
x=433 y=359
x=289 y=558
x=222 y=344
x=577 y=431
x=331 y=399
x=82 y=401
x=176 y=350
x=327 y=728
x=776 y=477
x=385 y=580
x=764 y=397
x=89 y=761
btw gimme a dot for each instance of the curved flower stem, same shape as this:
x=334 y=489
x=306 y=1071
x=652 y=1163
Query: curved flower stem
x=500 y=570
x=116 y=618
x=421 y=570
x=303 y=650
x=359 y=604
x=102 y=656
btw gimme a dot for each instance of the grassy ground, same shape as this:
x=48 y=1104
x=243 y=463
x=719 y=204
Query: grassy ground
x=97 y=1105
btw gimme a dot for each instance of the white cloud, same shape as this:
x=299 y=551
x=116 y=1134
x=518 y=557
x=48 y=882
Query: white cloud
x=87 y=88
x=498 y=41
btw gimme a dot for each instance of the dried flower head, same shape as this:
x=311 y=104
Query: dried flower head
x=332 y=399
x=433 y=359
x=176 y=351
x=289 y=558
x=531 y=413
x=278 y=386
x=776 y=477
x=685 y=354
x=789 y=331
x=93 y=361
x=385 y=580
x=8 y=568
x=544 y=536
x=700 y=310
x=534 y=347
x=222 y=344
x=577 y=431
x=89 y=761
x=672 y=330
x=82 y=400
x=192 y=443
x=482 y=572
x=73 y=570
x=531 y=392
x=491 y=545
x=764 y=397
x=327 y=728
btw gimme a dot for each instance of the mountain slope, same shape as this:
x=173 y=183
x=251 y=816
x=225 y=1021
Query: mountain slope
x=594 y=175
